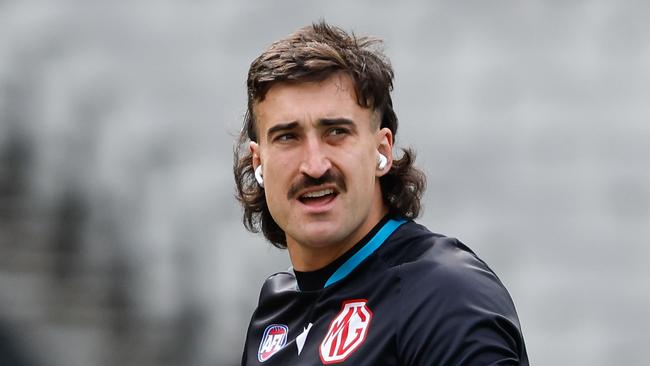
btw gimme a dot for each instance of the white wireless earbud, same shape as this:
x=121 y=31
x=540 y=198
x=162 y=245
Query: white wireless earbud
x=258 y=176
x=381 y=162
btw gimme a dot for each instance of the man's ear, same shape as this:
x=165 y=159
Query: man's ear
x=385 y=147
x=254 y=148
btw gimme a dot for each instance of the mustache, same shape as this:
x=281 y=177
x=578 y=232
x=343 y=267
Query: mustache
x=306 y=182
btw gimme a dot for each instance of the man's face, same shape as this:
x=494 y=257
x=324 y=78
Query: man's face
x=318 y=150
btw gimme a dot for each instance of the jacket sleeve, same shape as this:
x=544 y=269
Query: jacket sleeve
x=455 y=311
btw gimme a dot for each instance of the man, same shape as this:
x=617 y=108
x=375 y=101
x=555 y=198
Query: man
x=316 y=173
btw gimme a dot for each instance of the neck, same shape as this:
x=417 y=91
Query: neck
x=307 y=258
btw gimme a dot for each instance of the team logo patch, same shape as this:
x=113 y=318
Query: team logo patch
x=347 y=332
x=275 y=337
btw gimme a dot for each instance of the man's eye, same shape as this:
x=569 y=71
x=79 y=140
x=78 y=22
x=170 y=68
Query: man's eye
x=285 y=137
x=337 y=131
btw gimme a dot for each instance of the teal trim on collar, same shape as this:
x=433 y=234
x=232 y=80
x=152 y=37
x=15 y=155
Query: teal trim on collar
x=389 y=227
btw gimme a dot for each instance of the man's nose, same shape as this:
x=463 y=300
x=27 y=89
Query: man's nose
x=315 y=161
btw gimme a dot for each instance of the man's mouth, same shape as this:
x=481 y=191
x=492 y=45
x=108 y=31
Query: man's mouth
x=319 y=197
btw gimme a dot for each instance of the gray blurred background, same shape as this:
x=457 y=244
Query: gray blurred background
x=120 y=239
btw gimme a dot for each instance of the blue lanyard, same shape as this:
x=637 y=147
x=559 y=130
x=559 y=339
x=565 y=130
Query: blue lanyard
x=353 y=262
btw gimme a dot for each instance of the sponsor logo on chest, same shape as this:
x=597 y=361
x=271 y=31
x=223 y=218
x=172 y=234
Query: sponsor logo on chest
x=347 y=332
x=274 y=338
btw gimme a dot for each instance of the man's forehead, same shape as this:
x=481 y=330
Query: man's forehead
x=339 y=83
x=331 y=98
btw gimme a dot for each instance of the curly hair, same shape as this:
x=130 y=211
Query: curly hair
x=314 y=53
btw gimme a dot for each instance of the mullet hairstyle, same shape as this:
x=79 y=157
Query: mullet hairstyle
x=314 y=53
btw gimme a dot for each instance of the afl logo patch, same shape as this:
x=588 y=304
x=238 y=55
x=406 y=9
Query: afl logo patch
x=347 y=332
x=274 y=338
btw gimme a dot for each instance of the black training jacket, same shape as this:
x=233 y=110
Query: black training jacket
x=402 y=296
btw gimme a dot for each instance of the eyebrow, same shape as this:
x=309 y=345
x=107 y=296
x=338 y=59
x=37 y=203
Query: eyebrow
x=281 y=127
x=335 y=122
